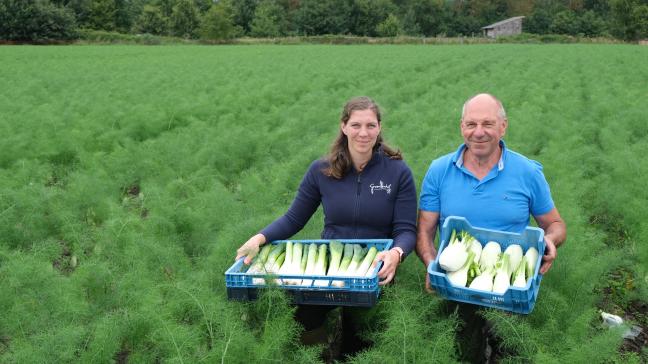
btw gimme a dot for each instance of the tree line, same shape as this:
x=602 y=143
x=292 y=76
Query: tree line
x=46 y=20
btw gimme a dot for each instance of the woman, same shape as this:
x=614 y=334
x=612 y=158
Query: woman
x=366 y=191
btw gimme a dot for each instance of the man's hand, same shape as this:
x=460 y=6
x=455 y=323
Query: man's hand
x=250 y=249
x=549 y=256
x=391 y=260
x=427 y=226
x=428 y=285
x=555 y=234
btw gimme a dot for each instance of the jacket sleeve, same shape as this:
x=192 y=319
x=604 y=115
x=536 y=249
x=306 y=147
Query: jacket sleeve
x=404 y=223
x=303 y=207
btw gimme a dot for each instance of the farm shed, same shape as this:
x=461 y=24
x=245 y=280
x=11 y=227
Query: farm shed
x=510 y=26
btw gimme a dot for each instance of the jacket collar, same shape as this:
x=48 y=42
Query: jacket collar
x=375 y=157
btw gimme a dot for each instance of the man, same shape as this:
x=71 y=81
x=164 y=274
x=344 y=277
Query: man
x=491 y=186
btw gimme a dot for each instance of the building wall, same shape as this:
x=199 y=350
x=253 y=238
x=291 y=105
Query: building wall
x=510 y=28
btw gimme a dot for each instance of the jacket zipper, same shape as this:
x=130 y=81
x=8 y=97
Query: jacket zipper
x=356 y=211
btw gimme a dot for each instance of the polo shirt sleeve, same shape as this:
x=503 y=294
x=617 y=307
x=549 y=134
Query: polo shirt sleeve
x=430 y=200
x=303 y=207
x=541 y=201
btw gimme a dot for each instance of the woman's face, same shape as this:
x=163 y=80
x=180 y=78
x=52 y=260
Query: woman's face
x=362 y=130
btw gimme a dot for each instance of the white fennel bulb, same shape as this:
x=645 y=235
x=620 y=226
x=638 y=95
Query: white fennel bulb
x=460 y=276
x=531 y=258
x=489 y=256
x=454 y=255
x=484 y=281
x=502 y=276
x=476 y=247
x=519 y=280
x=514 y=251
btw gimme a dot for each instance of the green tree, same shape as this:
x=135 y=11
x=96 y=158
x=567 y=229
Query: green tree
x=166 y=6
x=409 y=22
x=217 y=23
x=599 y=7
x=291 y=7
x=242 y=12
x=539 y=22
x=185 y=19
x=640 y=14
x=367 y=14
x=127 y=12
x=488 y=11
x=423 y=17
x=590 y=24
x=82 y=10
x=460 y=25
x=519 y=7
x=102 y=14
x=35 y=21
x=564 y=22
x=152 y=21
x=318 y=17
x=390 y=27
x=269 y=20
x=630 y=19
x=204 y=5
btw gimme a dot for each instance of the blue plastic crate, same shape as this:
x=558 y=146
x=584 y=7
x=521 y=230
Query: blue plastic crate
x=519 y=300
x=357 y=291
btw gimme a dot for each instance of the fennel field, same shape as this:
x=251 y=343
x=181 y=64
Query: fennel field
x=130 y=174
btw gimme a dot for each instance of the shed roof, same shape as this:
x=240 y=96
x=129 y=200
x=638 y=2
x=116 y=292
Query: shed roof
x=502 y=22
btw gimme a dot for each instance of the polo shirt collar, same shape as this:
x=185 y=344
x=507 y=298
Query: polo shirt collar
x=457 y=158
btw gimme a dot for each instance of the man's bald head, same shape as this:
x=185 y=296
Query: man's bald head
x=483 y=125
x=483 y=100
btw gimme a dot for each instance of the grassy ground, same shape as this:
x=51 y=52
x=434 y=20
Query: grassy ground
x=130 y=174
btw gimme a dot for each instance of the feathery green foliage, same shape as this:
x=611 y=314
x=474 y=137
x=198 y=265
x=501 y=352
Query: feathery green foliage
x=131 y=174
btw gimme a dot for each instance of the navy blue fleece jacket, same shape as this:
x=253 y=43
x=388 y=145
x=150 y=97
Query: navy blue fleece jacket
x=377 y=203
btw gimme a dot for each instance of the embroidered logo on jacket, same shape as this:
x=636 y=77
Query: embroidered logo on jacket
x=380 y=187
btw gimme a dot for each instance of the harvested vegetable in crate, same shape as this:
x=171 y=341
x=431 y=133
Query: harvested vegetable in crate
x=496 y=275
x=334 y=272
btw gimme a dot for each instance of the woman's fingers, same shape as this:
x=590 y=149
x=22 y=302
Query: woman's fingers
x=249 y=250
x=390 y=261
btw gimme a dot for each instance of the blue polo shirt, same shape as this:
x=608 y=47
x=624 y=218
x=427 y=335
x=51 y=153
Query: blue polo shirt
x=503 y=200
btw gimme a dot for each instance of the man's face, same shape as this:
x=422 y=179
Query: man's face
x=481 y=127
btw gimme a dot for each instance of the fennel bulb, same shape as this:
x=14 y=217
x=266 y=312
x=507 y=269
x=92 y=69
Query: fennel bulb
x=514 y=251
x=484 y=281
x=531 y=258
x=476 y=247
x=490 y=255
x=454 y=255
x=519 y=280
x=364 y=268
x=310 y=263
x=503 y=276
x=320 y=266
x=459 y=277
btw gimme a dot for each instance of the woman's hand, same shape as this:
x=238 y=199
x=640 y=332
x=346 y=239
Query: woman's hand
x=391 y=260
x=250 y=249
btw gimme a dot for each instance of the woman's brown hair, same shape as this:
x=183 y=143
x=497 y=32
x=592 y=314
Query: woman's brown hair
x=339 y=158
